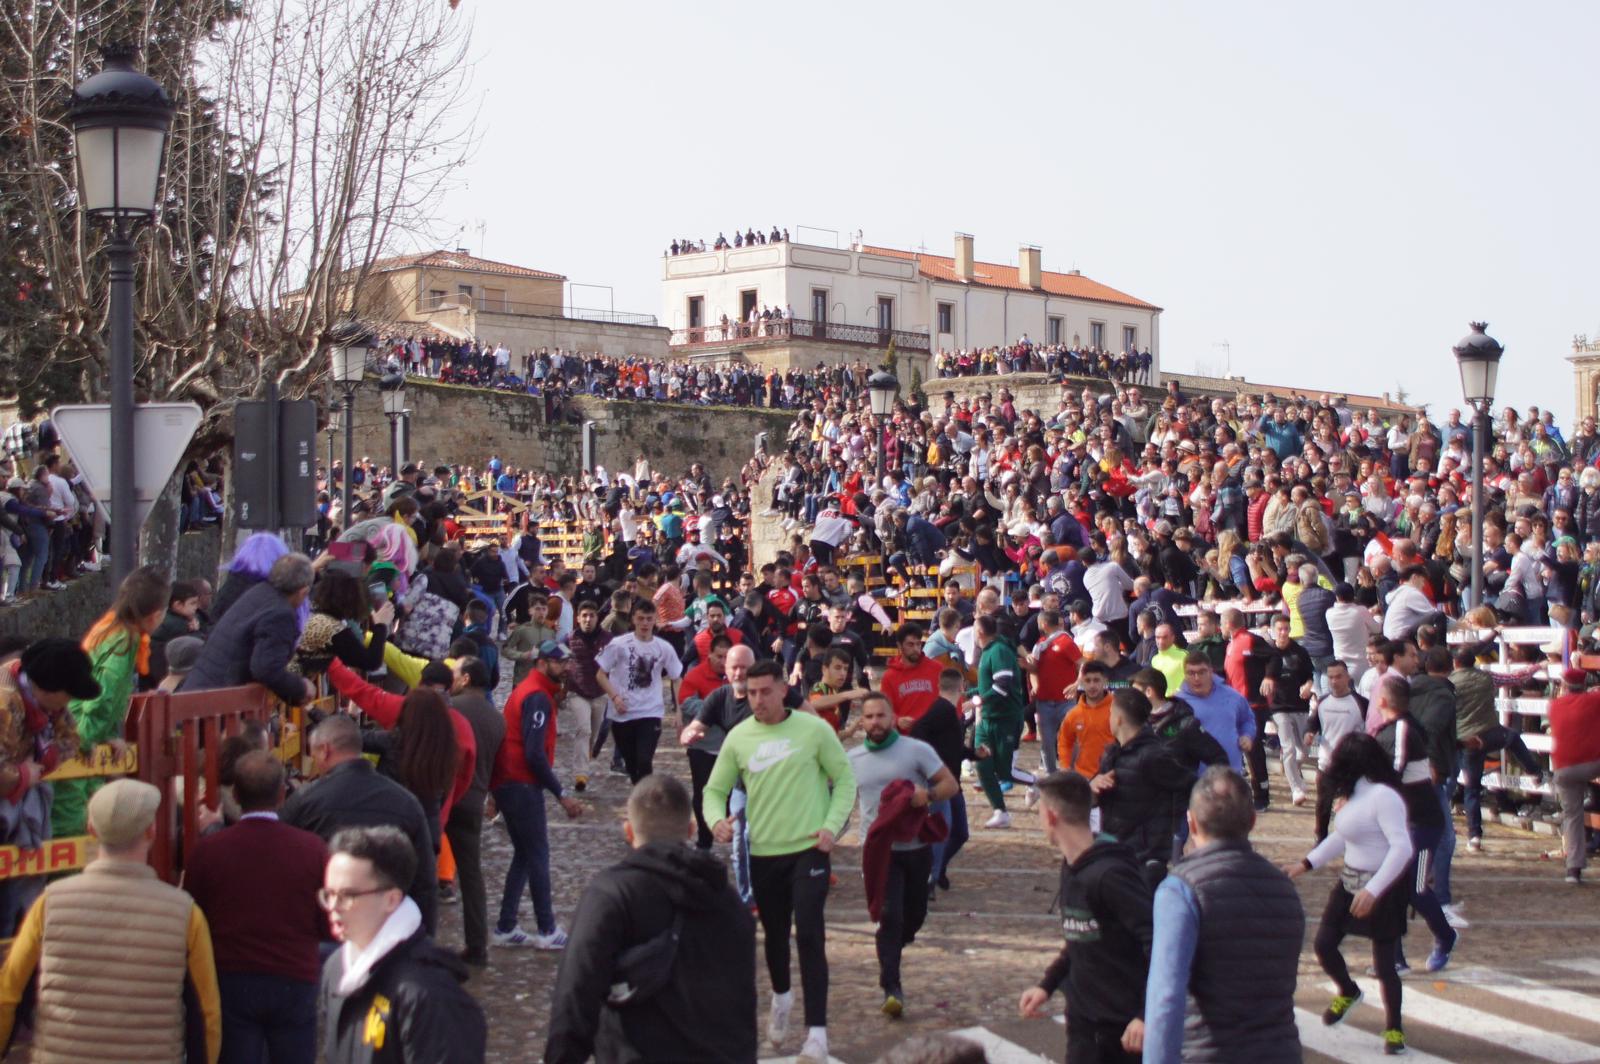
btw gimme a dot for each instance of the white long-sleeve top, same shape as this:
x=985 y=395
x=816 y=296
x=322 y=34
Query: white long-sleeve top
x=1370 y=831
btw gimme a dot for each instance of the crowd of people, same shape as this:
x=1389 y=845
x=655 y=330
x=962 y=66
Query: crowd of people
x=1118 y=612
x=557 y=374
x=1027 y=356
x=748 y=238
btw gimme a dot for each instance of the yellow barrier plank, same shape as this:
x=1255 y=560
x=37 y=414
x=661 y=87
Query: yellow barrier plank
x=101 y=761
x=67 y=854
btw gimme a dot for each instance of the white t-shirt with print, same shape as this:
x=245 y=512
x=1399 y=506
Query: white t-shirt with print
x=635 y=668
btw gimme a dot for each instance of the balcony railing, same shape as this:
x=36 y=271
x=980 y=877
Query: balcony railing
x=779 y=330
x=495 y=305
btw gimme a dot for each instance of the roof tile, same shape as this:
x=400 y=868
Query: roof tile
x=995 y=275
x=457 y=261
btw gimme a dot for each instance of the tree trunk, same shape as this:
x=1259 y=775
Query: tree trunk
x=158 y=541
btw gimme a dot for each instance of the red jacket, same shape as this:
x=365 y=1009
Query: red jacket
x=912 y=689
x=1575 y=729
x=384 y=708
x=511 y=764
x=898 y=821
x=698 y=682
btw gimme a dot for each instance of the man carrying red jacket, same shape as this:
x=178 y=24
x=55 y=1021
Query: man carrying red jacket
x=522 y=773
x=384 y=709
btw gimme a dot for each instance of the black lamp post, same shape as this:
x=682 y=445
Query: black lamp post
x=335 y=418
x=1478 y=357
x=120 y=120
x=882 y=387
x=351 y=345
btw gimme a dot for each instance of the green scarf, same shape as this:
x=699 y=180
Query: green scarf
x=893 y=735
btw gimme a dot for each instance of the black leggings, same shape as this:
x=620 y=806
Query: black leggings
x=1335 y=921
x=636 y=741
x=700 y=764
x=794 y=887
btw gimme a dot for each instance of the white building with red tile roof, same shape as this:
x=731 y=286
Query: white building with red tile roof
x=932 y=302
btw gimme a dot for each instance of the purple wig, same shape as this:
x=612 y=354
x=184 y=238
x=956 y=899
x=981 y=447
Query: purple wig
x=256 y=555
x=255 y=558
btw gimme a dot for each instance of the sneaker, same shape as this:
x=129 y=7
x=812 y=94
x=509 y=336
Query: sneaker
x=581 y=783
x=943 y=881
x=1452 y=915
x=53 y=585
x=1394 y=1043
x=1339 y=1008
x=1475 y=845
x=893 y=1004
x=619 y=769
x=1574 y=877
x=815 y=1051
x=555 y=940
x=1032 y=798
x=475 y=960
x=1298 y=799
x=1030 y=736
x=1001 y=819
x=448 y=894
x=1005 y=786
x=778 y=1019
x=1401 y=968
x=1438 y=958
x=515 y=937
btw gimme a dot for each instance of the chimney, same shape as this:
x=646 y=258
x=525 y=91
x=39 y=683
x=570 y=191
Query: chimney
x=964 y=270
x=1028 y=271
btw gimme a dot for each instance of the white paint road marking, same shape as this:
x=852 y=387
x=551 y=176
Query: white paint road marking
x=1585 y=1007
x=1348 y=1043
x=1477 y=1023
x=1586 y=965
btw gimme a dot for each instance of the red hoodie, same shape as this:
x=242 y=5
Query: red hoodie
x=384 y=708
x=912 y=688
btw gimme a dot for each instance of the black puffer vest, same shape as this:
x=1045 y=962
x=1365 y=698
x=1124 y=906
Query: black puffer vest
x=1241 y=987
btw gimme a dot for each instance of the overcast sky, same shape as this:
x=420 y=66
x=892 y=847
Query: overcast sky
x=1333 y=192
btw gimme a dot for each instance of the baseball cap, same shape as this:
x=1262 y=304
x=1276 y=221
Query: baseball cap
x=550 y=650
x=123 y=810
x=1574 y=677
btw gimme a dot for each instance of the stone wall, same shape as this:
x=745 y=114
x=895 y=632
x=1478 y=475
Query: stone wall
x=464 y=426
x=70 y=611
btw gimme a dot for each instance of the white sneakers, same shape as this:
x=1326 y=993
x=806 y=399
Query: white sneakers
x=1452 y=916
x=778 y=1019
x=1031 y=799
x=1001 y=819
x=815 y=1051
x=555 y=940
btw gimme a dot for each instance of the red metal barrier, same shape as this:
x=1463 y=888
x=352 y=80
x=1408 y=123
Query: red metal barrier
x=180 y=736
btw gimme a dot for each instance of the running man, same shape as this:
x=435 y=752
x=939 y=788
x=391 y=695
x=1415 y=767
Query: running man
x=897 y=867
x=639 y=660
x=788 y=762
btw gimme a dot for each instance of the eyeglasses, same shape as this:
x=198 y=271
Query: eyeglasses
x=341 y=900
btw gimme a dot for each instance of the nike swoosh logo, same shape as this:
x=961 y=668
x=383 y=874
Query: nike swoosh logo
x=761 y=764
x=816 y=872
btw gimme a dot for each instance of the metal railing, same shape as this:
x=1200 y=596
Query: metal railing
x=496 y=305
x=780 y=329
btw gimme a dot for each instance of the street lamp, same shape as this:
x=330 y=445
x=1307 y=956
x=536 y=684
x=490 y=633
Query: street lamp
x=882 y=387
x=335 y=419
x=120 y=120
x=1478 y=357
x=393 y=387
x=351 y=345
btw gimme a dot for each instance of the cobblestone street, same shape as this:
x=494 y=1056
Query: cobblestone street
x=992 y=935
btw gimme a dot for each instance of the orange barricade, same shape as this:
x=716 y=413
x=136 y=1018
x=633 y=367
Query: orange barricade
x=179 y=736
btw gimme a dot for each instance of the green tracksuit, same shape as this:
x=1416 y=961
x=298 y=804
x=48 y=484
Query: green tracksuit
x=1000 y=687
